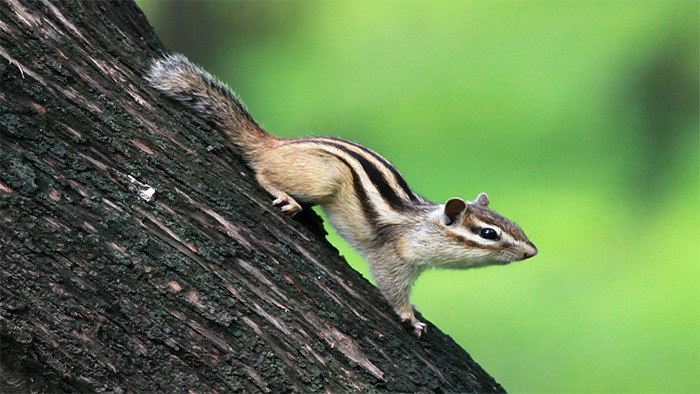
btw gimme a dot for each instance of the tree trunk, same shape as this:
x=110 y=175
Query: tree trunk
x=137 y=252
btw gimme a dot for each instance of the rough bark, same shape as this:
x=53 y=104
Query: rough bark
x=205 y=287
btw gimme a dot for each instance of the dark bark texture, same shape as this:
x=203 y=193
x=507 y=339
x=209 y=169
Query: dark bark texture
x=203 y=286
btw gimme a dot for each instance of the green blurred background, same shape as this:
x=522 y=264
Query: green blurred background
x=581 y=121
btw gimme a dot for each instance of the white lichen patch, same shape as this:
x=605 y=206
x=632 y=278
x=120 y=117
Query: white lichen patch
x=146 y=192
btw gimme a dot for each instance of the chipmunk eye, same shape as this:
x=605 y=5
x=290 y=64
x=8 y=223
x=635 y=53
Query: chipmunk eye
x=488 y=233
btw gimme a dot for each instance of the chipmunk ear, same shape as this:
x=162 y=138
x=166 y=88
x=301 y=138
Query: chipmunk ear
x=455 y=208
x=482 y=199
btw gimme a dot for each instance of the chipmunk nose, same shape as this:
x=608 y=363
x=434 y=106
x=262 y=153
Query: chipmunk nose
x=532 y=251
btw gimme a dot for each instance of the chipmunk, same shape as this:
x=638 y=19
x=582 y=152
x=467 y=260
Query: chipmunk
x=399 y=232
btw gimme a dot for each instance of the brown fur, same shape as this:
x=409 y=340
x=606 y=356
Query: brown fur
x=366 y=199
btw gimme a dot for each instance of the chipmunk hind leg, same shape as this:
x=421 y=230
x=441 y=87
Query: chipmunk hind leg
x=288 y=204
x=293 y=175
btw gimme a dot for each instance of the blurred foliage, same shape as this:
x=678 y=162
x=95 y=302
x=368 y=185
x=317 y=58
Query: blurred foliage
x=580 y=119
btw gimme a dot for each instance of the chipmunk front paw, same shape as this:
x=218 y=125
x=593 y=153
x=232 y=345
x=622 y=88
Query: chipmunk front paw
x=419 y=328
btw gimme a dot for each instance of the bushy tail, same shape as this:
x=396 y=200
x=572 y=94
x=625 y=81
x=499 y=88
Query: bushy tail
x=181 y=80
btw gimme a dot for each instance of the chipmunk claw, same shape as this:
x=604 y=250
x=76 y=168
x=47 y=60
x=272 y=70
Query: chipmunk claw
x=419 y=328
x=289 y=205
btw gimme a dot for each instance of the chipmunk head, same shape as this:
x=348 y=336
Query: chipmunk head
x=477 y=235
